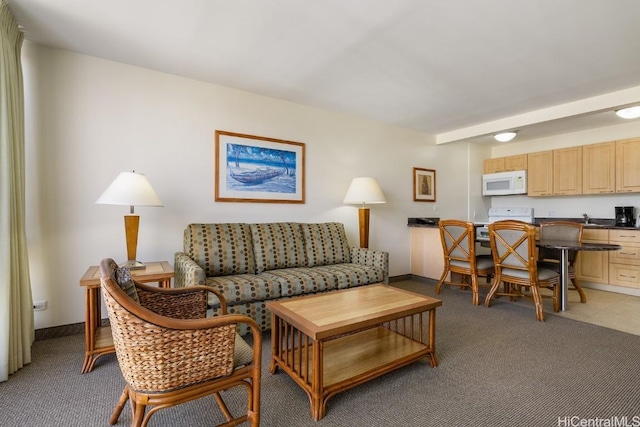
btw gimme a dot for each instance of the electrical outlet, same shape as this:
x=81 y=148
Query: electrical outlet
x=39 y=305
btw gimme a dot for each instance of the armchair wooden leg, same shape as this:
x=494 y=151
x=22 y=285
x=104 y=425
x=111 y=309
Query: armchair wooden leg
x=119 y=406
x=223 y=406
x=138 y=414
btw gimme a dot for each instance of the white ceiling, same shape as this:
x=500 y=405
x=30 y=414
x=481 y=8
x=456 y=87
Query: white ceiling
x=460 y=69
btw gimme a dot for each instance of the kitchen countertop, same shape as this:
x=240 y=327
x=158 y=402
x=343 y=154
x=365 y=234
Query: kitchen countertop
x=594 y=223
x=423 y=222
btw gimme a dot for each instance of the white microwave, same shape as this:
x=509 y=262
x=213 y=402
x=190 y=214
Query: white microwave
x=504 y=183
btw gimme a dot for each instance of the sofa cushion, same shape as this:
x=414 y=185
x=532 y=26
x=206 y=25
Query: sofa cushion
x=243 y=288
x=220 y=249
x=349 y=275
x=278 y=245
x=302 y=280
x=325 y=244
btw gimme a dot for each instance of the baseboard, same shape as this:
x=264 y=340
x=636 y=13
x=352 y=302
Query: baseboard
x=62 y=331
x=400 y=278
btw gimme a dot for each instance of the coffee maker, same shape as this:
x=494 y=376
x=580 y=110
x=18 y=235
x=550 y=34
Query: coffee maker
x=624 y=216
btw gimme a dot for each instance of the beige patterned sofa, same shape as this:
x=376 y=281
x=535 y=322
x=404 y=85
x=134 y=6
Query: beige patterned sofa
x=254 y=263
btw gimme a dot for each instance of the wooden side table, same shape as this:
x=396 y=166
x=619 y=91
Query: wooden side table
x=97 y=339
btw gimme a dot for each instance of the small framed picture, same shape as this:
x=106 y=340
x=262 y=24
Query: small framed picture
x=424 y=185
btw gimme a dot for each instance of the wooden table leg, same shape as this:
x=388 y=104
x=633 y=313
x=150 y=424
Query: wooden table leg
x=89 y=328
x=316 y=398
x=275 y=342
x=433 y=360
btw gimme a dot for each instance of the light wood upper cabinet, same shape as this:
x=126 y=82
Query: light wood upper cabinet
x=494 y=165
x=599 y=168
x=628 y=166
x=540 y=174
x=504 y=164
x=604 y=168
x=515 y=163
x=567 y=171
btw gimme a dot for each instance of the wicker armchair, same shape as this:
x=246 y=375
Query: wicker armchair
x=170 y=353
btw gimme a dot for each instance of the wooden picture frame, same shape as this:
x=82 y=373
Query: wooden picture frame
x=424 y=185
x=256 y=169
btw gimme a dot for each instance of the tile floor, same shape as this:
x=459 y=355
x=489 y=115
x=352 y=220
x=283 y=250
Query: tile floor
x=608 y=309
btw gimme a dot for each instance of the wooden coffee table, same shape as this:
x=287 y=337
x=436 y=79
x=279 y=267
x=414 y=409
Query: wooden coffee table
x=333 y=341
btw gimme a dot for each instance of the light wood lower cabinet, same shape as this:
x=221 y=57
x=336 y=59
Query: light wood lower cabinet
x=624 y=265
x=616 y=268
x=593 y=266
x=427 y=258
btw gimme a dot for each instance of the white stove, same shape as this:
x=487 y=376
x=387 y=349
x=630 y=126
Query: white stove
x=502 y=214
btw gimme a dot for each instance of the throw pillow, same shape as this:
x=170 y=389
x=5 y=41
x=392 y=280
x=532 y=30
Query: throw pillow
x=125 y=281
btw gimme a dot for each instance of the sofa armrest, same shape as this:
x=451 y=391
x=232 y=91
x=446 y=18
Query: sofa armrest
x=187 y=271
x=372 y=258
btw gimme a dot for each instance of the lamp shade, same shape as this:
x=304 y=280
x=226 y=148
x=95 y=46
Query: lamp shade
x=132 y=189
x=364 y=190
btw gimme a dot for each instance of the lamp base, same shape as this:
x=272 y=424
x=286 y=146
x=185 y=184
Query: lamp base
x=132 y=264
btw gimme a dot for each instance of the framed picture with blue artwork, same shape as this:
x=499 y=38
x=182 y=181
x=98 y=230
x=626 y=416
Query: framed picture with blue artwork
x=256 y=169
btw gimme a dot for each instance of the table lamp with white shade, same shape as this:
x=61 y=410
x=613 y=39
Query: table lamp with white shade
x=364 y=191
x=132 y=189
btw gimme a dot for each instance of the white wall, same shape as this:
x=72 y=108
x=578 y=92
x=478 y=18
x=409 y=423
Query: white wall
x=596 y=206
x=88 y=119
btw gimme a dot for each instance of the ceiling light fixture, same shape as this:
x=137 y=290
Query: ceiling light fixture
x=629 y=113
x=505 y=136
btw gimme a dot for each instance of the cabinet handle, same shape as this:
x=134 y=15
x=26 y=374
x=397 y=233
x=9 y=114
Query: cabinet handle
x=630 y=277
x=628 y=253
x=630 y=237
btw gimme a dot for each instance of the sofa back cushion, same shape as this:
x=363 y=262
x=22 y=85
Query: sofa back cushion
x=278 y=245
x=325 y=244
x=220 y=249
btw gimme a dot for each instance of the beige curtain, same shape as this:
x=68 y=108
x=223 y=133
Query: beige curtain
x=16 y=304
